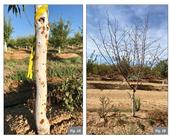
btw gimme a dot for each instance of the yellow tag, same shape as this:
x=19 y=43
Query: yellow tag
x=40 y=11
x=30 y=66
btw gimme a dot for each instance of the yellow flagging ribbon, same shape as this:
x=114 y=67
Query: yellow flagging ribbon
x=40 y=11
x=30 y=66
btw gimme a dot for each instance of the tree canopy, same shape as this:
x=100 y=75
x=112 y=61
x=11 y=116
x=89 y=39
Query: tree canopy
x=59 y=33
x=8 y=29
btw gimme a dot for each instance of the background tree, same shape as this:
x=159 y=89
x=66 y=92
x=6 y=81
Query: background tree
x=8 y=29
x=130 y=50
x=59 y=34
x=90 y=62
x=77 y=39
x=161 y=69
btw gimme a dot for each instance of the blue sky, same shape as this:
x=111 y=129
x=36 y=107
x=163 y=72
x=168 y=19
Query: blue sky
x=23 y=25
x=127 y=15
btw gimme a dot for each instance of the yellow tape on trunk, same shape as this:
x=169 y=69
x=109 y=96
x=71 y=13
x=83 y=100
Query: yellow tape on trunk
x=30 y=66
x=40 y=11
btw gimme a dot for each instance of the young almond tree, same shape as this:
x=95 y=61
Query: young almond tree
x=59 y=34
x=42 y=34
x=8 y=29
x=130 y=50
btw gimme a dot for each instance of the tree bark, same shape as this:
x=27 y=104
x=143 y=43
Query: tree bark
x=133 y=102
x=5 y=46
x=42 y=34
x=59 y=49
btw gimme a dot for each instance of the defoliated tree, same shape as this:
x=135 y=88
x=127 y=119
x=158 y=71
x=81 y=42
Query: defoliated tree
x=8 y=29
x=130 y=50
x=59 y=34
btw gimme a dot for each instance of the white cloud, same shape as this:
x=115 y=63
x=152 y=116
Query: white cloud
x=126 y=16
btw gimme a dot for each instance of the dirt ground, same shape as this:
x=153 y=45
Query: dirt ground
x=19 y=111
x=67 y=55
x=22 y=53
x=20 y=119
x=151 y=102
x=13 y=54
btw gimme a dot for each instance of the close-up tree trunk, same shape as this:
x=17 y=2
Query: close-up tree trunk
x=42 y=34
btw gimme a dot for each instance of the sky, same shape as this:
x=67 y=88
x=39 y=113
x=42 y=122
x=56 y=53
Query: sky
x=127 y=15
x=23 y=25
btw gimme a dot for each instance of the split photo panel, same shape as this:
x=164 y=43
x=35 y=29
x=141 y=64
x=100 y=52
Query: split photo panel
x=125 y=52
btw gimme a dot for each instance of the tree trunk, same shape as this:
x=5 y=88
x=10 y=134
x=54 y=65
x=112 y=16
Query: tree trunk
x=5 y=46
x=133 y=102
x=59 y=49
x=42 y=34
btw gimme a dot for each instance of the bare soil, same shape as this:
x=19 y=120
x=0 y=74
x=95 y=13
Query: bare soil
x=65 y=56
x=14 y=54
x=22 y=53
x=119 y=120
x=19 y=101
x=19 y=111
x=20 y=119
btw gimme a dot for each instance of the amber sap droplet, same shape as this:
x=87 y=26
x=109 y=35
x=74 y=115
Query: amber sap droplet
x=42 y=121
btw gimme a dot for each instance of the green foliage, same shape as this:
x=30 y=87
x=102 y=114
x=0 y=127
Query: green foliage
x=72 y=60
x=57 y=69
x=25 y=41
x=54 y=69
x=105 y=108
x=161 y=69
x=76 y=40
x=22 y=42
x=8 y=29
x=90 y=62
x=16 y=9
x=72 y=92
x=59 y=33
x=17 y=69
x=146 y=72
x=19 y=75
x=101 y=70
x=12 y=43
x=137 y=104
